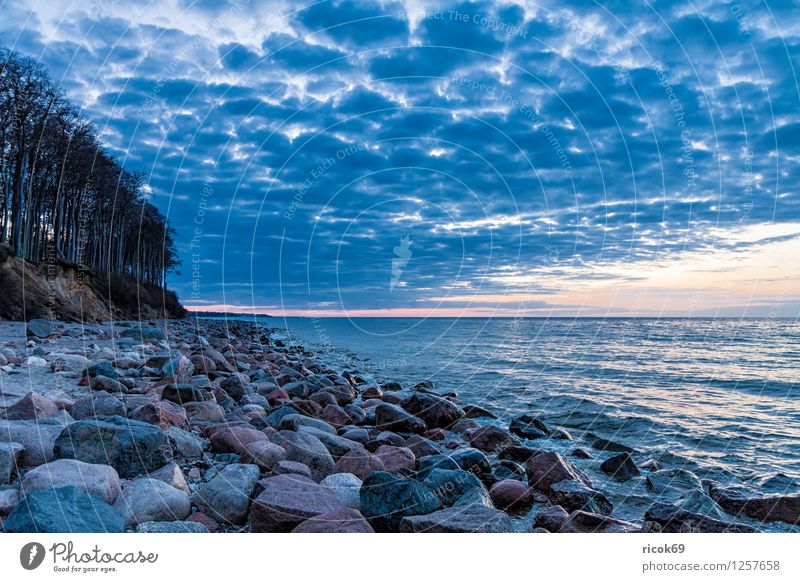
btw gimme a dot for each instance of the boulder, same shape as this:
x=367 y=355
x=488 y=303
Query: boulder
x=602 y=444
x=148 y=499
x=172 y=475
x=226 y=497
x=108 y=384
x=180 y=394
x=450 y=487
x=768 y=508
x=288 y=500
x=8 y=500
x=344 y=520
x=472 y=411
x=511 y=494
x=185 y=444
x=99 y=480
x=307 y=449
x=9 y=460
x=237 y=387
x=101 y=368
x=586 y=522
x=359 y=462
x=437 y=412
x=470 y=519
x=180 y=367
x=394 y=418
x=620 y=466
x=204 y=411
x=31 y=407
x=471 y=459
x=346 y=487
x=40 y=328
x=234 y=439
x=63 y=510
x=422 y=446
x=335 y=415
x=549 y=467
x=295 y=421
x=163 y=413
x=98 y=404
x=551 y=518
x=669 y=518
x=490 y=438
x=574 y=495
x=262 y=453
x=336 y=445
x=145 y=334
x=386 y=499
x=131 y=447
x=203 y=364
x=396 y=459
x=275 y=417
x=529 y=427
x=36 y=436
x=291 y=468
x=669 y=484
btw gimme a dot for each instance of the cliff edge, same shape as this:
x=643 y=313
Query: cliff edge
x=67 y=292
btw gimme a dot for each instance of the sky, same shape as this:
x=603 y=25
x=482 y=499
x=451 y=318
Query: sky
x=451 y=158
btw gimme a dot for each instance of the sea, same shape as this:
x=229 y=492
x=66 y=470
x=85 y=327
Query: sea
x=718 y=397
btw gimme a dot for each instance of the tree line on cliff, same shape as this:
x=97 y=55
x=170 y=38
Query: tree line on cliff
x=62 y=195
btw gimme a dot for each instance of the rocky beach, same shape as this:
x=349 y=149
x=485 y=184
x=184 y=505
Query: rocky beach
x=203 y=425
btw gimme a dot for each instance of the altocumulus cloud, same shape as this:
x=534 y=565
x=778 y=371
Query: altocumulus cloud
x=562 y=158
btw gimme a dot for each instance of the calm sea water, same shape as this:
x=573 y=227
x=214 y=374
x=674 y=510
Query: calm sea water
x=719 y=397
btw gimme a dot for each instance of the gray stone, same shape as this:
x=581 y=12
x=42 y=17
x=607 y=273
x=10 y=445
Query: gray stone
x=98 y=404
x=99 y=480
x=152 y=500
x=172 y=475
x=295 y=421
x=63 y=510
x=130 y=446
x=9 y=458
x=307 y=449
x=185 y=444
x=386 y=499
x=346 y=487
x=226 y=497
x=37 y=436
x=474 y=518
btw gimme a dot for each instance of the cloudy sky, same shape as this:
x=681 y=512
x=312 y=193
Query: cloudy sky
x=532 y=158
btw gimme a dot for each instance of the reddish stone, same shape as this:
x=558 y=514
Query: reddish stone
x=203 y=364
x=395 y=459
x=344 y=520
x=359 y=462
x=163 y=413
x=233 y=439
x=335 y=415
x=200 y=517
x=31 y=407
x=549 y=467
x=288 y=500
x=511 y=494
x=490 y=438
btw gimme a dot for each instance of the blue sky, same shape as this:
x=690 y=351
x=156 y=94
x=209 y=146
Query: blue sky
x=415 y=158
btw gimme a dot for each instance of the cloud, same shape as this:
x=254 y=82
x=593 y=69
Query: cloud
x=530 y=153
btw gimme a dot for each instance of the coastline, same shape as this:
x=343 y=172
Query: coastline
x=176 y=426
